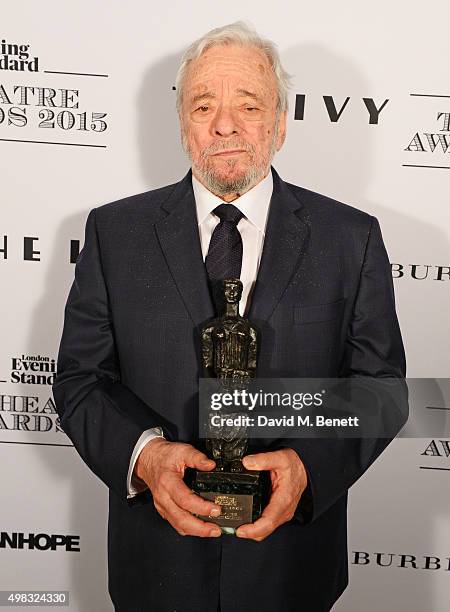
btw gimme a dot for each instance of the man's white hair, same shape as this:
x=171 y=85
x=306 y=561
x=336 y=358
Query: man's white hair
x=237 y=33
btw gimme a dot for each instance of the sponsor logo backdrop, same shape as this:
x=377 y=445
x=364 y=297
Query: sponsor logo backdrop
x=87 y=116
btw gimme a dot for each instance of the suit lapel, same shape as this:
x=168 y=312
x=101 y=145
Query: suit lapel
x=284 y=243
x=180 y=242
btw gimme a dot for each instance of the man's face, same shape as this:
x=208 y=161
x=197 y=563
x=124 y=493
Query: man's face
x=229 y=121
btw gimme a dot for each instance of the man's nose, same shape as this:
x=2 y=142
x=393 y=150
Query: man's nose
x=225 y=122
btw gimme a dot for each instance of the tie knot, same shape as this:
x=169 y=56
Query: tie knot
x=228 y=212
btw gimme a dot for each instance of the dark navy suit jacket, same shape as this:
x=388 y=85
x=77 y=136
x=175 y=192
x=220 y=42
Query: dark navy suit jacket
x=129 y=360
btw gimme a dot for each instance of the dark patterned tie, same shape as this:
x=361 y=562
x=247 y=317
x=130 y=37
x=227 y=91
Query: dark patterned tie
x=224 y=258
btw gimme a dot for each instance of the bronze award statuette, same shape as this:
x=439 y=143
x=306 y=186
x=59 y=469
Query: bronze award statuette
x=229 y=353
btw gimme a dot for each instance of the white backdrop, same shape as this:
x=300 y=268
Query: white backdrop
x=363 y=52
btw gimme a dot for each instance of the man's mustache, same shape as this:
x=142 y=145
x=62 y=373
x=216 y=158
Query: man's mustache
x=227 y=146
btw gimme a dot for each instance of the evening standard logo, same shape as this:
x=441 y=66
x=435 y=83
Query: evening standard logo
x=51 y=109
x=18 y=540
x=24 y=413
x=16 y=57
x=404 y=561
x=33 y=370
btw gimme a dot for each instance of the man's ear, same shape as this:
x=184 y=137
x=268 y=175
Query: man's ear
x=281 y=130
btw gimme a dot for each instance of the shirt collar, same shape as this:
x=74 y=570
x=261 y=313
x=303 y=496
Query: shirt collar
x=254 y=204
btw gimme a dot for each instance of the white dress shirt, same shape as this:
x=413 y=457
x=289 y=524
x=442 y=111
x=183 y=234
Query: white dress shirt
x=254 y=204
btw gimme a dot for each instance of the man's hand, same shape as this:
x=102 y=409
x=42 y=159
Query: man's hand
x=289 y=480
x=161 y=464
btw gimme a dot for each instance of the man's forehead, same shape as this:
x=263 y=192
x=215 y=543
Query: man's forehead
x=240 y=63
x=228 y=54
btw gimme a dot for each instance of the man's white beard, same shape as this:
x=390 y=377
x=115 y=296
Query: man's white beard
x=222 y=186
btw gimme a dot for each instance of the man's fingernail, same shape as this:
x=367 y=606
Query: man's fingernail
x=241 y=534
x=250 y=461
x=215 y=512
x=215 y=533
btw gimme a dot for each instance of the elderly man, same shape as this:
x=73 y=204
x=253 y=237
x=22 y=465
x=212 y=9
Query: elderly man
x=316 y=282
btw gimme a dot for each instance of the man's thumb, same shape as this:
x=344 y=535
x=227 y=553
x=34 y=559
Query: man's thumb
x=255 y=462
x=199 y=460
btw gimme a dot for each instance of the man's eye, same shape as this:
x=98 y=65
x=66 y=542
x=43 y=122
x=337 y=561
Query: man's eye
x=203 y=108
x=251 y=108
